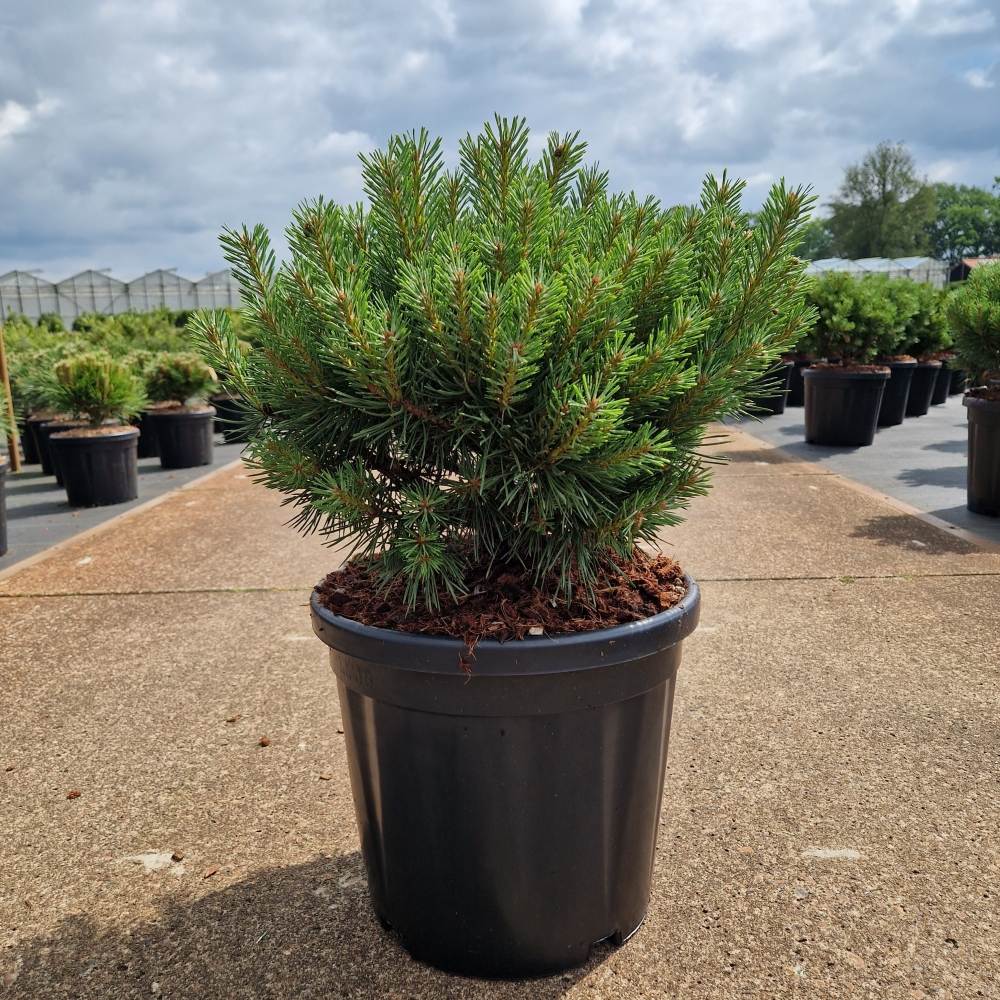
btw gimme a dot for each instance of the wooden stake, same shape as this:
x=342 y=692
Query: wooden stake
x=15 y=455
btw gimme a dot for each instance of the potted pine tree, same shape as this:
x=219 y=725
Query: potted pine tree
x=180 y=419
x=974 y=319
x=4 y=467
x=854 y=320
x=925 y=336
x=494 y=383
x=97 y=458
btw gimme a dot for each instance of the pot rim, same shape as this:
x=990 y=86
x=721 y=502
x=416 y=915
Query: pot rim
x=189 y=412
x=113 y=434
x=543 y=654
x=830 y=373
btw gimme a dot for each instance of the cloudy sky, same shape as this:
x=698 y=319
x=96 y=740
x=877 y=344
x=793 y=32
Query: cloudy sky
x=131 y=132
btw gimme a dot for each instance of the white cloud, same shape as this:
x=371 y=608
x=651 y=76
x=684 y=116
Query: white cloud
x=130 y=133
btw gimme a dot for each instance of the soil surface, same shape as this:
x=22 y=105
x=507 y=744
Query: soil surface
x=897 y=357
x=506 y=603
x=991 y=395
x=830 y=366
x=85 y=432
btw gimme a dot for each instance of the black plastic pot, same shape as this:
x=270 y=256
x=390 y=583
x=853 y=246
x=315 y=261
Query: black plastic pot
x=43 y=435
x=897 y=392
x=984 y=456
x=922 y=388
x=229 y=419
x=775 y=402
x=33 y=428
x=796 y=387
x=943 y=383
x=183 y=437
x=4 y=466
x=100 y=469
x=959 y=381
x=28 y=446
x=842 y=406
x=508 y=819
x=147 y=446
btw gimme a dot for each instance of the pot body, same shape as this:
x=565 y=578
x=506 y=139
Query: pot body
x=147 y=445
x=959 y=381
x=44 y=432
x=4 y=466
x=984 y=456
x=99 y=470
x=943 y=383
x=897 y=392
x=842 y=407
x=28 y=444
x=229 y=419
x=775 y=403
x=183 y=437
x=508 y=818
x=796 y=386
x=922 y=388
x=32 y=430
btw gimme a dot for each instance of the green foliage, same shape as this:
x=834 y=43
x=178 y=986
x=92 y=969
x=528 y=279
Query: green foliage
x=4 y=415
x=920 y=309
x=974 y=318
x=177 y=378
x=52 y=322
x=156 y=330
x=505 y=362
x=883 y=208
x=97 y=387
x=857 y=320
x=967 y=223
x=817 y=240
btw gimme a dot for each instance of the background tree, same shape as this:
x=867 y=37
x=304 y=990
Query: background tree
x=884 y=209
x=817 y=240
x=967 y=223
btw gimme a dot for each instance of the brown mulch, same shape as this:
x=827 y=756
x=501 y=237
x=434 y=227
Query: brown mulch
x=897 y=357
x=827 y=366
x=506 y=604
x=991 y=395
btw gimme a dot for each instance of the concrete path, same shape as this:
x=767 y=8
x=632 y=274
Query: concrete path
x=921 y=461
x=38 y=515
x=830 y=815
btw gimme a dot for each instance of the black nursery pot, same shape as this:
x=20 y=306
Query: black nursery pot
x=796 y=387
x=897 y=392
x=183 y=436
x=984 y=456
x=508 y=818
x=922 y=388
x=775 y=403
x=43 y=435
x=98 y=469
x=32 y=433
x=147 y=446
x=28 y=445
x=943 y=383
x=229 y=418
x=842 y=407
x=959 y=381
x=4 y=466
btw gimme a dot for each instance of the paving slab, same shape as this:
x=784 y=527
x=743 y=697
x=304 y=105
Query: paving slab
x=921 y=461
x=831 y=818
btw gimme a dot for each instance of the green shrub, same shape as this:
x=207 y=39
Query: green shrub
x=5 y=427
x=974 y=318
x=856 y=319
x=505 y=363
x=96 y=387
x=177 y=378
x=921 y=310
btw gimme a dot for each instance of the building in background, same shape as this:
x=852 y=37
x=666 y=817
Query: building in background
x=961 y=270
x=925 y=270
x=97 y=292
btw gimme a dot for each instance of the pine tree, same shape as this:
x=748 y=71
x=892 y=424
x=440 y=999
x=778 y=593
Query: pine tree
x=974 y=317
x=504 y=362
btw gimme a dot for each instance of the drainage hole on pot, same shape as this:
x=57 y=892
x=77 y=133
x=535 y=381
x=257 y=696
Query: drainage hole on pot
x=503 y=732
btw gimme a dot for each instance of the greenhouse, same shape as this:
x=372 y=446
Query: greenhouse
x=96 y=291
x=925 y=270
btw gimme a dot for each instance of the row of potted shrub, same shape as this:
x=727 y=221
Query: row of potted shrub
x=92 y=415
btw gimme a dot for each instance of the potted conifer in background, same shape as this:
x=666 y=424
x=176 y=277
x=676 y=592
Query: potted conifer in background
x=97 y=458
x=494 y=383
x=924 y=336
x=974 y=320
x=5 y=435
x=179 y=417
x=854 y=319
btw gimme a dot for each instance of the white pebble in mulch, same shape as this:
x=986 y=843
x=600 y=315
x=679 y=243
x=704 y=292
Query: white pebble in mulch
x=845 y=853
